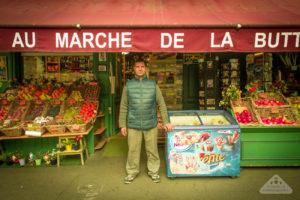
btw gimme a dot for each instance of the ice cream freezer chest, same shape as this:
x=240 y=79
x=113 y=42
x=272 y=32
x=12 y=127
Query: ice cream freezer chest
x=203 y=143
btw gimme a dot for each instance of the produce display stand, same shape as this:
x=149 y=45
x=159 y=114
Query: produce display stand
x=270 y=146
x=60 y=136
x=80 y=151
x=263 y=146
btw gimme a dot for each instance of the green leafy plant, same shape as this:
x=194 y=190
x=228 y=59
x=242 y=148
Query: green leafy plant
x=39 y=155
x=232 y=93
x=289 y=59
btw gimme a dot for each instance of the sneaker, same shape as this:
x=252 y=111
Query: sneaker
x=128 y=179
x=155 y=178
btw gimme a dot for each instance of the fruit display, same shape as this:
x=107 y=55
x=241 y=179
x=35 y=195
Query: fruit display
x=70 y=112
x=280 y=120
x=244 y=117
x=3 y=112
x=17 y=113
x=88 y=110
x=53 y=111
x=43 y=93
x=92 y=90
x=26 y=93
x=269 y=103
x=34 y=111
x=269 y=100
x=76 y=95
x=59 y=93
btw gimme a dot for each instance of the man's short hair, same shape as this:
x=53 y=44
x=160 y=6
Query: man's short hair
x=139 y=60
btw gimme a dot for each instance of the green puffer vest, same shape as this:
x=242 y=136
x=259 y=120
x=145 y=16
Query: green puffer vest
x=141 y=104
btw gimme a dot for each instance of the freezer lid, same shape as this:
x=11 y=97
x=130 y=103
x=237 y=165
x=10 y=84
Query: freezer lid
x=208 y=119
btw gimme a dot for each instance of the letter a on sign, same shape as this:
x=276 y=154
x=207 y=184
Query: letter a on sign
x=276 y=186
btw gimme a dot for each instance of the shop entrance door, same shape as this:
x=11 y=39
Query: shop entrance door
x=190 y=87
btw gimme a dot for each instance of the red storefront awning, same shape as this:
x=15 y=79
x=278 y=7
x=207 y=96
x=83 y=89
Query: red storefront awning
x=149 y=25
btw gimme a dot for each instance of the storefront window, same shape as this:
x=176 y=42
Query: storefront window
x=64 y=68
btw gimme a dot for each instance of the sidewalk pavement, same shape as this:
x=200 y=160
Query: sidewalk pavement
x=102 y=178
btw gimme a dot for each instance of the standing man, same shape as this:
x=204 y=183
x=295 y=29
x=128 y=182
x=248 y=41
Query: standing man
x=138 y=118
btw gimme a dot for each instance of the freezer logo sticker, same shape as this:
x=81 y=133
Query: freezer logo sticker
x=211 y=158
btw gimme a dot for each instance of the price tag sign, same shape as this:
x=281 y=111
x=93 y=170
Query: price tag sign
x=57 y=102
x=33 y=133
x=274 y=110
x=75 y=127
x=22 y=103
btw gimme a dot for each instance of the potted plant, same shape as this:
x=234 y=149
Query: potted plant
x=60 y=146
x=68 y=144
x=77 y=142
x=46 y=158
x=53 y=157
x=231 y=94
x=38 y=159
x=22 y=158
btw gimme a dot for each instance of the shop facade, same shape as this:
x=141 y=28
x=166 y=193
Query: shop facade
x=104 y=46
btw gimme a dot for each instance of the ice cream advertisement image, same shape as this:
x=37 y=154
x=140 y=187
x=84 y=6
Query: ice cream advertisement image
x=203 y=153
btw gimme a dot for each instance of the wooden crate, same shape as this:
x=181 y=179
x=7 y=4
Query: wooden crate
x=246 y=104
x=18 y=104
x=267 y=97
x=42 y=105
x=58 y=126
x=275 y=113
x=92 y=91
x=53 y=103
x=13 y=130
x=79 y=128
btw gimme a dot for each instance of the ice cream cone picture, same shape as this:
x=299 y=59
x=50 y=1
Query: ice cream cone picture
x=219 y=142
x=204 y=136
x=235 y=136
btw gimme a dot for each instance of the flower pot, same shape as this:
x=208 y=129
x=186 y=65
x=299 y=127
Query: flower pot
x=68 y=147
x=76 y=146
x=62 y=148
x=38 y=162
x=22 y=162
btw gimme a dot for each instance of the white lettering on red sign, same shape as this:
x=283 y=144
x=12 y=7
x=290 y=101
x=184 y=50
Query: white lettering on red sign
x=167 y=40
x=88 y=40
x=61 y=43
x=226 y=41
x=75 y=41
x=126 y=39
x=97 y=40
x=261 y=39
x=19 y=41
